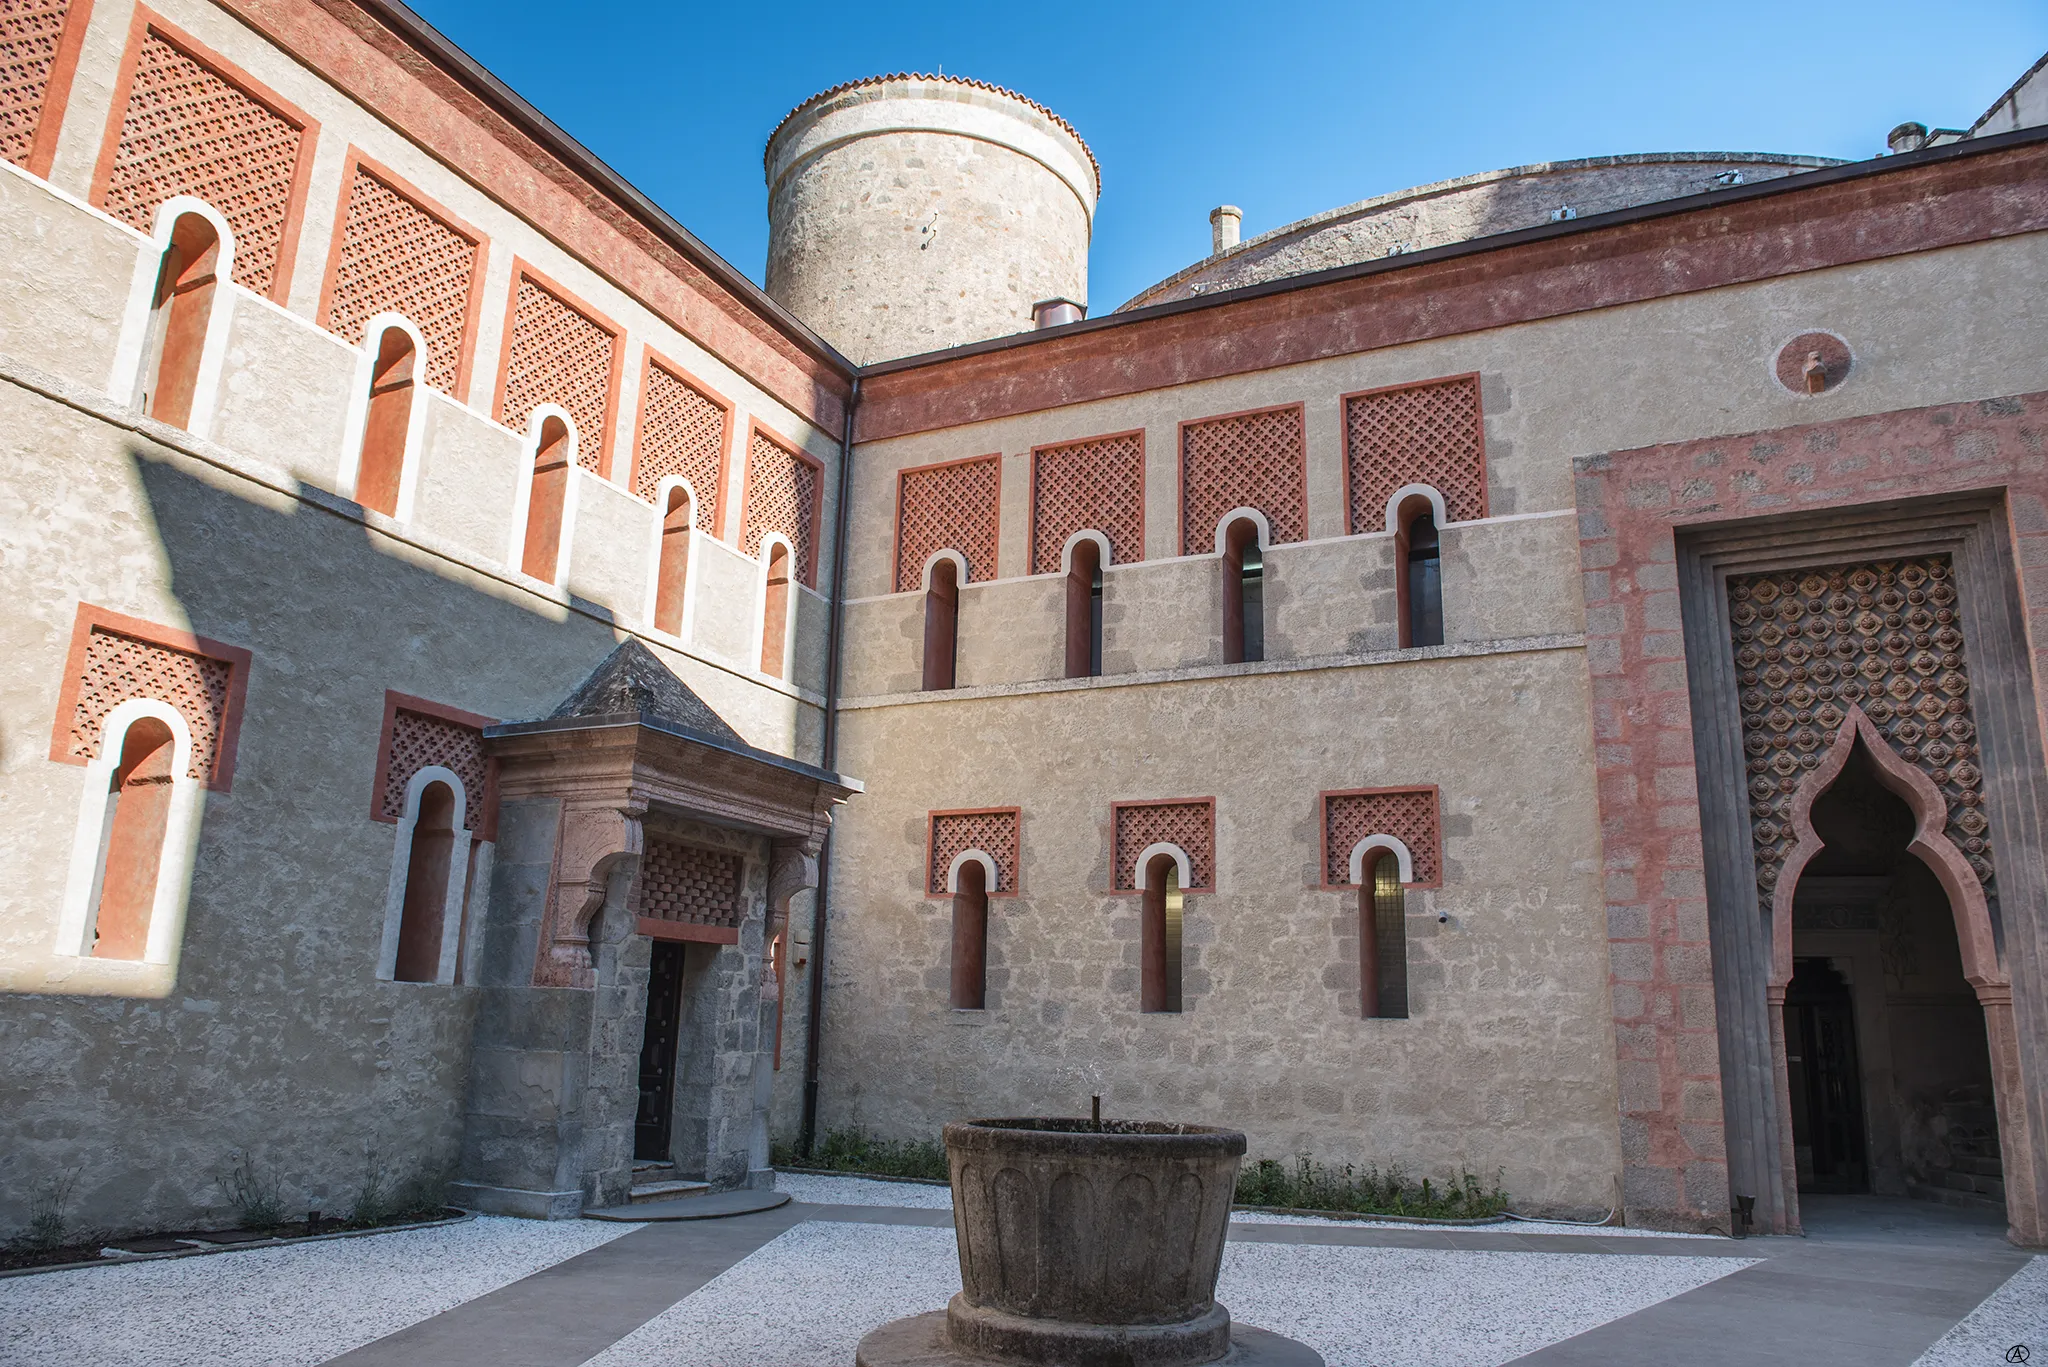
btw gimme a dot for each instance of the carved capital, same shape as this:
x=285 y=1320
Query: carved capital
x=593 y=844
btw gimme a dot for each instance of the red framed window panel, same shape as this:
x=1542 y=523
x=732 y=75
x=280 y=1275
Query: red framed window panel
x=416 y=733
x=559 y=350
x=1430 y=433
x=685 y=429
x=397 y=251
x=954 y=505
x=114 y=657
x=188 y=122
x=1409 y=814
x=995 y=831
x=1257 y=459
x=1092 y=485
x=782 y=494
x=1189 y=822
x=39 y=46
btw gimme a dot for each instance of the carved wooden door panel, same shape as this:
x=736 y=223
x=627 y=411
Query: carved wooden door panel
x=658 y=1053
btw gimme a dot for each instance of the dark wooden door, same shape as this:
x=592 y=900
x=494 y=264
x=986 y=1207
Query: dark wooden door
x=1826 y=1080
x=658 y=1053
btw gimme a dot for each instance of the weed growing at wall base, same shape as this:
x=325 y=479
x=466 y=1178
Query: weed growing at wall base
x=855 y=1150
x=1309 y=1185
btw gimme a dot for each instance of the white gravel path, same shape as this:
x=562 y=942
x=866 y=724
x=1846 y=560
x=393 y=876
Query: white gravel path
x=2016 y=1313
x=1356 y=1306
x=867 y=1191
x=275 y=1307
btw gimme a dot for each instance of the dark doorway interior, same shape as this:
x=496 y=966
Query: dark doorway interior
x=658 y=1053
x=1826 y=1081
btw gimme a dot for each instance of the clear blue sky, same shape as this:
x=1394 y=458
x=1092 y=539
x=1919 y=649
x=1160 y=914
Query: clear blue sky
x=1286 y=110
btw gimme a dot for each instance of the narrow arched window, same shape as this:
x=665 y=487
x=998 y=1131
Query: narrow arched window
x=132 y=841
x=386 y=422
x=941 y=625
x=422 y=921
x=775 y=613
x=1159 y=936
x=675 y=562
x=179 y=314
x=970 y=938
x=1084 y=611
x=544 y=505
x=1421 y=587
x=1244 y=593
x=1383 y=940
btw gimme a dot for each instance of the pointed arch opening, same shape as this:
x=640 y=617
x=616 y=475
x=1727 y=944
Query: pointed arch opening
x=181 y=312
x=941 y=622
x=1160 y=934
x=1244 y=593
x=1418 y=571
x=679 y=516
x=970 y=936
x=387 y=422
x=775 y=612
x=1084 y=608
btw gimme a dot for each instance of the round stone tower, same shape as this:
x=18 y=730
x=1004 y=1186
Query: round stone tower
x=909 y=213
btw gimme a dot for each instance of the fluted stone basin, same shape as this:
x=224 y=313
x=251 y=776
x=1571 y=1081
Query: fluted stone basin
x=1086 y=1244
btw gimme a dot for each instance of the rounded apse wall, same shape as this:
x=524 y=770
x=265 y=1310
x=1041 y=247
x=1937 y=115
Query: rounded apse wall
x=910 y=213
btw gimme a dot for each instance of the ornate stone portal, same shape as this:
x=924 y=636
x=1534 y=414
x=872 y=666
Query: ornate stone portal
x=631 y=760
x=1086 y=1244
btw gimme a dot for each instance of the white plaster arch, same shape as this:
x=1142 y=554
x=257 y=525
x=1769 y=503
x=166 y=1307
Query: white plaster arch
x=1258 y=519
x=181 y=831
x=522 y=498
x=959 y=568
x=1086 y=534
x=770 y=540
x=1404 y=862
x=668 y=485
x=131 y=353
x=401 y=864
x=357 y=421
x=1408 y=491
x=1182 y=863
x=989 y=880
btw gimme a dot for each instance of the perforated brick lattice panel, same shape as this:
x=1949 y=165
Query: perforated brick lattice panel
x=993 y=833
x=1085 y=486
x=559 y=356
x=1410 y=817
x=1254 y=460
x=29 y=32
x=398 y=258
x=418 y=740
x=947 y=508
x=782 y=496
x=682 y=432
x=188 y=131
x=1190 y=825
x=118 y=668
x=1886 y=636
x=1422 y=434
x=688 y=885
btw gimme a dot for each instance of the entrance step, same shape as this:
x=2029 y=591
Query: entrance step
x=715 y=1206
x=1977 y=1167
x=671 y=1190
x=1962 y=1200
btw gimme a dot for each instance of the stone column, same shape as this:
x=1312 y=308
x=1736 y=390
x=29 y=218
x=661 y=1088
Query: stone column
x=792 y=868
x=2028 y=1223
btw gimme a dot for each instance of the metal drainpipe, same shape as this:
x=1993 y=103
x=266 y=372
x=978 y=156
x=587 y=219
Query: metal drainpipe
x=814 y=1024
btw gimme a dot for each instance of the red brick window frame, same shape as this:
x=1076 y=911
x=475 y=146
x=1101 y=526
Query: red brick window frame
x=679 y=418
x=1188 y=822
x=1254 y=459
x=397 y=251
x=953 y=505
x=995 y=831
x=1432 y=432
x=1096 y=484
x=781 y=480
x=42 y=40
x=1412 y=815
x=418 y=732
x=264 y=211
x=553 y=360
x=114 y=657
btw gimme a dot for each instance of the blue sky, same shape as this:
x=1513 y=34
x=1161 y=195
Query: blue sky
x=1286 y=110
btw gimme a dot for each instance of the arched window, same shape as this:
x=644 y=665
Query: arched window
x=970 y=938
x=1419 y=568
x=132 y=840
x=675 y=561
x=179 y=313
x=1084 y=611
x=941 y=623
x=544 y=507
x=385 y=424
x=1383 y=940
x=423 y=920
x=1244 y=593
x=1159 y=949
x=775 y=613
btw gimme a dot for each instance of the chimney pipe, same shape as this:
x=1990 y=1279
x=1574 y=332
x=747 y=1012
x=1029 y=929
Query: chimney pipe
x=1907 y=137
x=1050 y=313
x=1224 y=221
